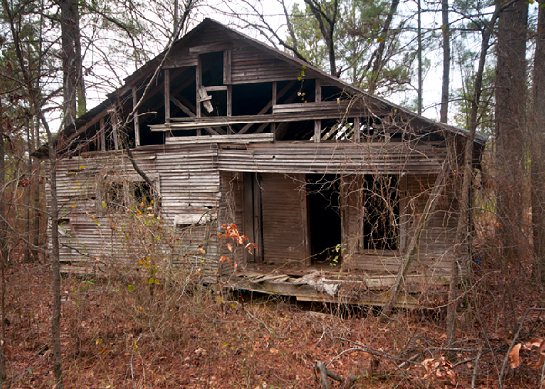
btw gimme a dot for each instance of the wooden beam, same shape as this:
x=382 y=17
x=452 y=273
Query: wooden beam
x=186 y=123
x=241 y=139
x=317 y=130
x=217 y=88
x=114 y=123
x=185 y=109
x=357 y=130
x=211 y=48
x=135 y=118
x=258 y=222
x=305 y=231
x=198 y=82
x=102 y=135
x=229 y=100
x=167 y=95
x=227 y=67
x=248 y=213
x=273 y=102
x=317 y=122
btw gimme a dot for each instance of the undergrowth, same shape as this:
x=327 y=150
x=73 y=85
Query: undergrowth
x=184 y=335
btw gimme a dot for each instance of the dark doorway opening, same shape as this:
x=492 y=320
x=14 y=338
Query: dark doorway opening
x=324 y=218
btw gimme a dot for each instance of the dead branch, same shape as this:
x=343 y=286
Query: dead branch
x=324 y=373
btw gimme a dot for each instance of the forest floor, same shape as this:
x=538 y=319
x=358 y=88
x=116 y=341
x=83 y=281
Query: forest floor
x=120 y=335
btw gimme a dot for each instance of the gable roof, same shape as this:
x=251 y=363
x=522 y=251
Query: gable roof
x=76 y=129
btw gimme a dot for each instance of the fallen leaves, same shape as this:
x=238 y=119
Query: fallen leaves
x=439 y=369
x=514 y=355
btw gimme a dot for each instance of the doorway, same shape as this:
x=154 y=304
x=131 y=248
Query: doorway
x=324 y=218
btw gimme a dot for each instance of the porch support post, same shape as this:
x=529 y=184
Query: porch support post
x=198 y=82
x=113 y=119
x=357 y=130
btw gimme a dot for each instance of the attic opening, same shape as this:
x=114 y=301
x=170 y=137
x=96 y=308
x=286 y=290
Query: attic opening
x=324 y=218
x=212 y=65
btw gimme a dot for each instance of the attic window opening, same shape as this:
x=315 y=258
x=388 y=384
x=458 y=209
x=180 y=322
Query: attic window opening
x=212 y=68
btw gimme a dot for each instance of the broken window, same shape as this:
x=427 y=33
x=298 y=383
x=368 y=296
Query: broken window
x=124 y=196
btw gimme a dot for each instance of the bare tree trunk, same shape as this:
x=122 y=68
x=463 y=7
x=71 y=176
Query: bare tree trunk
x=446 y=61
x=379 y=52
x=326 y=15
x=26 y=195
x=35 y=188
x=54 y=211
x=419 y=40
x=73 y=87
x=510 y=123
x=461 y=260
x=537 y=149
x=3 y=232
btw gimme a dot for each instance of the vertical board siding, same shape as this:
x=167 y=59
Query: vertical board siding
x=283 y=239
x=251 y=65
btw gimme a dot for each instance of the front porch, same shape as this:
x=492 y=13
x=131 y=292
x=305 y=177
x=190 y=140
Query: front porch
x=328 y=284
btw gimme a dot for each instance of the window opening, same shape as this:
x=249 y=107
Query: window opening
x=380 y=212
x=212 y=64
x=135 y=196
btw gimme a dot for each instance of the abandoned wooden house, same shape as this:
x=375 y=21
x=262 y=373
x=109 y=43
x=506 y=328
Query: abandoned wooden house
x=326 y=180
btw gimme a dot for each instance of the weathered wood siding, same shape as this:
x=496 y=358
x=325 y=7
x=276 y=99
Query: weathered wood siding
x=436 y=243
x=251 y=65
x=248 y=63
x=202 y=187
x=284 y=230
x=94 y=235
x=332 y=157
